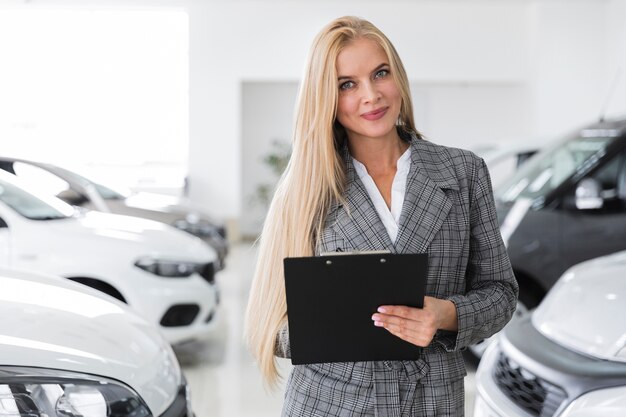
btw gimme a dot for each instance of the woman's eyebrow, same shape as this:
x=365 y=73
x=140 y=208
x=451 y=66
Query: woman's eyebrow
x=347 y=77
x=384 y=64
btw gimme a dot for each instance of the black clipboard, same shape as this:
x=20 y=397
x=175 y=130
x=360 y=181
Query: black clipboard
x=330 y=301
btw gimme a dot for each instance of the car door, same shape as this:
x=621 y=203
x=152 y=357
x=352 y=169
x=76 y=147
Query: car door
x=589 y=233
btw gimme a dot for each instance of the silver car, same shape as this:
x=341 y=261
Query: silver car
x=68 y=350
x=77 y=190
x=567 y=358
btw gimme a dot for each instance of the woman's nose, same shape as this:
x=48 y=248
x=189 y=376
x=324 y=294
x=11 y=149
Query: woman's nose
x=370 y=93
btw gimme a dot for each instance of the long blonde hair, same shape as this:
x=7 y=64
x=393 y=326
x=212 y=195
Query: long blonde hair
x=313 y=179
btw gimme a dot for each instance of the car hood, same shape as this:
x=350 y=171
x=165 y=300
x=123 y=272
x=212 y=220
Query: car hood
x=52 y=323
x=158 y=202
x=164 y=208
x=146 y=237
x=585 y=310
x=152 y=200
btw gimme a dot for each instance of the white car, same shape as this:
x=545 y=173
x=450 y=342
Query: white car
x=67 y=350
x=567 y=358
x=504 y=159
x=77 y=190
x=165 y=274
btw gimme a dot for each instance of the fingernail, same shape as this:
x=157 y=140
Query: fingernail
x=378 y=323
x=382 y=310
x=375 y=317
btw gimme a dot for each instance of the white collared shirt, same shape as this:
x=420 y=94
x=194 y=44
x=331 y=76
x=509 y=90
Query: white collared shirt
x=390 y=218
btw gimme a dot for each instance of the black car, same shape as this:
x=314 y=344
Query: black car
x=565 y=205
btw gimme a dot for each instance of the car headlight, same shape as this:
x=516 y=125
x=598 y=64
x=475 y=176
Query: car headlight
x=37 y=392
x=171 y=269
x=197 y=227
x=607 y=402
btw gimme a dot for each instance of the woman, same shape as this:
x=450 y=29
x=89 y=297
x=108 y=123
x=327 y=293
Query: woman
x=362 y=178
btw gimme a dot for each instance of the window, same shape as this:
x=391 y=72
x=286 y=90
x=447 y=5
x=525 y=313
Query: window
x=107 y=90
x=40 y=179
x=544 y=173
x=31 y=206
x=612 y=180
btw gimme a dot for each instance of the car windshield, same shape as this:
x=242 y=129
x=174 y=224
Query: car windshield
x=549 y=168
x=30 y=206
x=108 y=193
x=105 y=192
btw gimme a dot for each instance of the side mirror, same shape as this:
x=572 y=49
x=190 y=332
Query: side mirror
x=72 y=197
x=589 y=195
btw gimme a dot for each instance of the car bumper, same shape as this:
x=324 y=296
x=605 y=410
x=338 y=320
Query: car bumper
x=184 y=309
x=181 y=406
x=526 y=374
x=490 y=400
x=200 y=330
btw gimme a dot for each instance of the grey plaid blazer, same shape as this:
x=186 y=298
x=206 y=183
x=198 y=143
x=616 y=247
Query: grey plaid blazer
x=449 y=213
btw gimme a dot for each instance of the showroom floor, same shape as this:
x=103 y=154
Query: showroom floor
x=223 y=379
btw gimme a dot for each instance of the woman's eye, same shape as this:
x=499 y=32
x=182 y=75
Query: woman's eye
x=347 y=85
x=381 y=73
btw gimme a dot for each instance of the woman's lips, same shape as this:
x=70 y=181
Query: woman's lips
x=376 y=114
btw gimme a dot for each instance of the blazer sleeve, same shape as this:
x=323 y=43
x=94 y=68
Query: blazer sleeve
x=282 y=348
x=491 y=288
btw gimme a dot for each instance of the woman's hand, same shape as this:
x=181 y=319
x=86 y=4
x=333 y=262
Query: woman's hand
x=418 y=325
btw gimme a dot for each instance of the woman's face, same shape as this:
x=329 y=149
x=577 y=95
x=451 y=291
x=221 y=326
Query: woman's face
x=369 y=100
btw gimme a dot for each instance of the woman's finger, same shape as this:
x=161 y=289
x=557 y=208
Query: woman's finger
x=412 y=331
x=418 y=338
x=396 y=314
x=400 y=311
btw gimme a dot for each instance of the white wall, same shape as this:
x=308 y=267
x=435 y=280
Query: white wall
x=267 y=111
x=568 y=78
x=464 y=115
x=444 y=43
x=616 y=58
x=488 y=69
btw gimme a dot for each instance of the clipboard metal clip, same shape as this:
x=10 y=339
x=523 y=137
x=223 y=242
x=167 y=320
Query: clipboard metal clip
x=357 y=252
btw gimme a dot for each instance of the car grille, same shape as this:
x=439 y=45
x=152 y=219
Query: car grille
x=533 y=394
x=208 y=273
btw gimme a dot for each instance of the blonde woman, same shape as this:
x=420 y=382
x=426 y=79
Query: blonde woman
x=361 y=177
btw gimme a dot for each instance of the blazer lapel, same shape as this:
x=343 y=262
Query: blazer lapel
x=359 y=222
x=426 y=205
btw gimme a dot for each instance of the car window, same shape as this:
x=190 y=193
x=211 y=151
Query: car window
x=548 y=169
x=608 y=175
x=104 y=191
x=30 y=206
x=611 y=178
x=40 y=179
x=108 y=194
x=621 y=181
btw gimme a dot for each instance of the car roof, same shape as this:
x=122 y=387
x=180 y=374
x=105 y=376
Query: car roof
x=616 y=125
x=69 y=176
x=26 y=161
